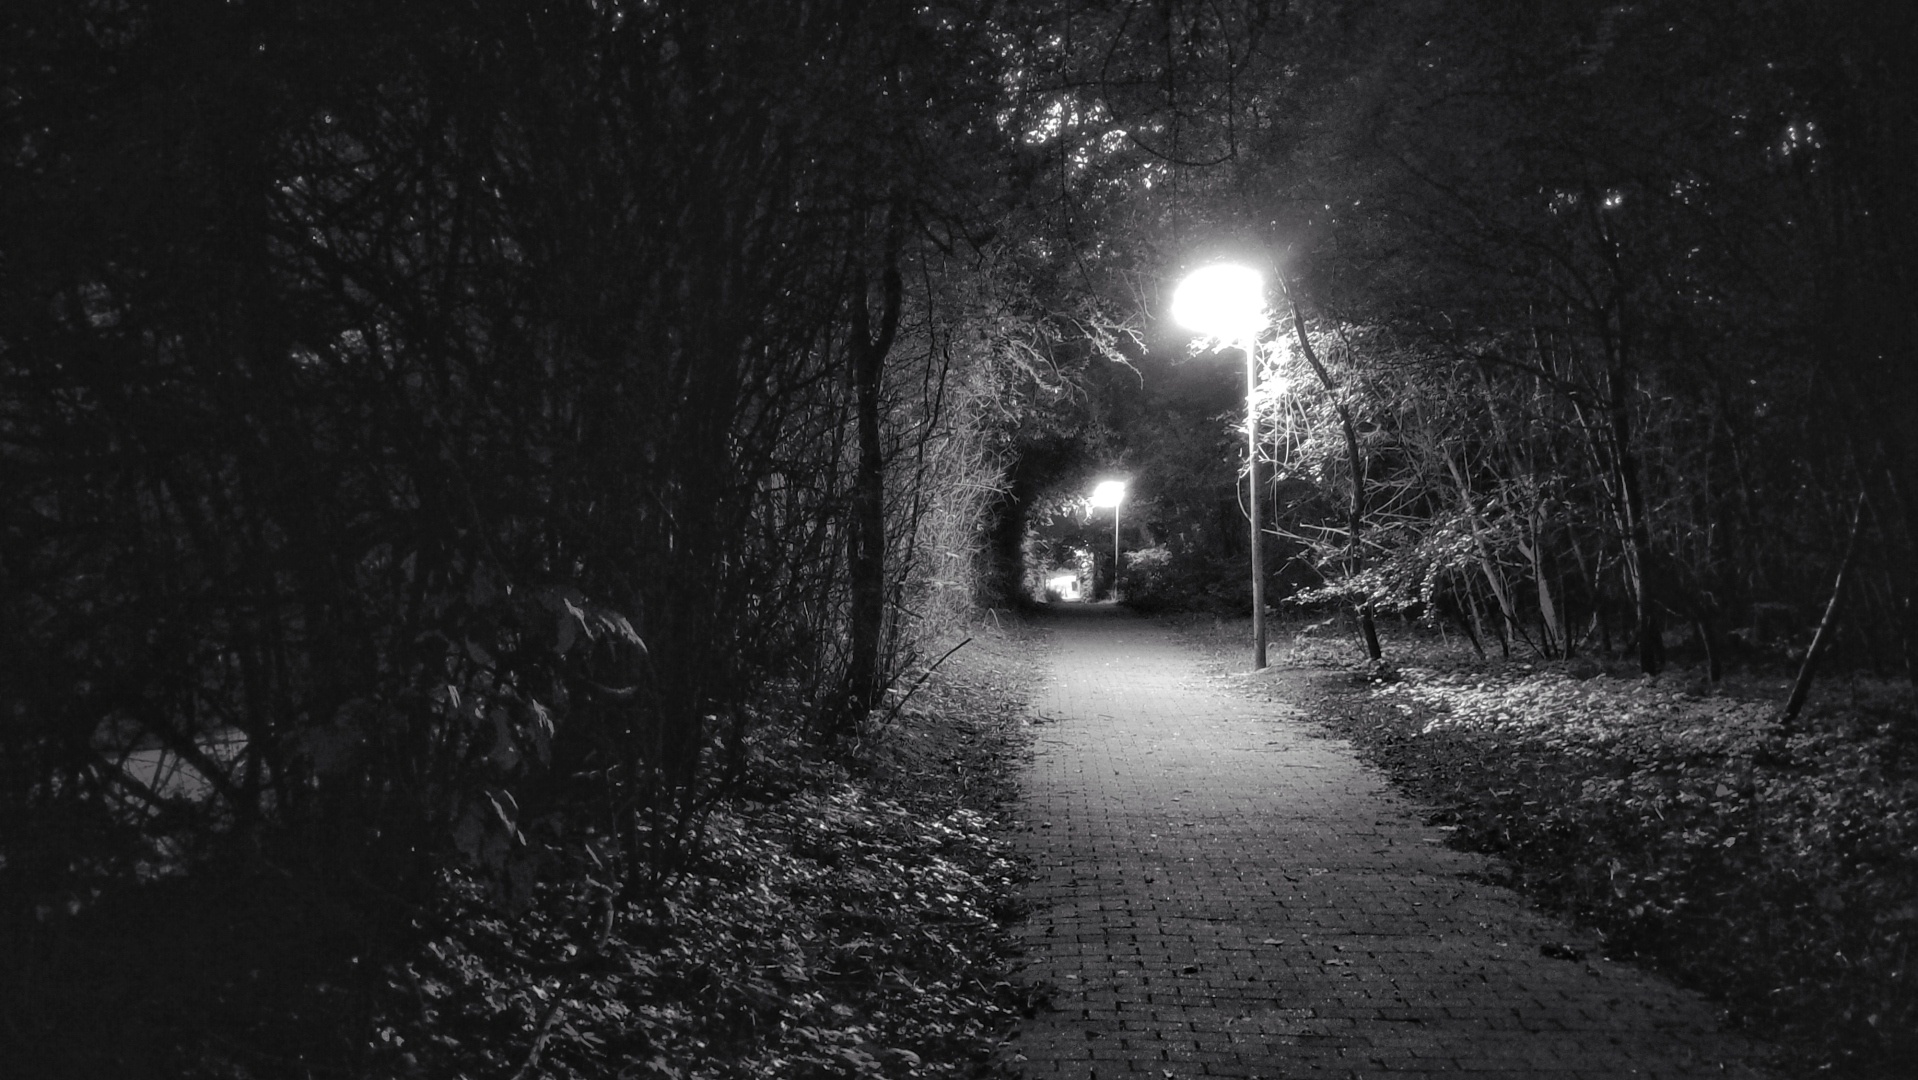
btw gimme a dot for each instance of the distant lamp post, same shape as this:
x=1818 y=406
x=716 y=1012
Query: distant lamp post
x=1112 y=493
x=1227 y=301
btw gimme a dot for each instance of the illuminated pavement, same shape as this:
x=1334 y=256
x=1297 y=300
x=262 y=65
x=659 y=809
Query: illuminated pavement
x=1219 y=891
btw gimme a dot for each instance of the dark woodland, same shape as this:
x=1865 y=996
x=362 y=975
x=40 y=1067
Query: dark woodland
x=487 y=489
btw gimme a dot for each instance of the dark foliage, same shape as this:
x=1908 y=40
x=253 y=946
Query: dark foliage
x=428 y=451
x=838 y=922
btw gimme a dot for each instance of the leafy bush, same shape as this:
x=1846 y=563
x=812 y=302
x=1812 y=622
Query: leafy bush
x=833 y=933
x=407 y=491
x=845 y=918
x=1160 y=578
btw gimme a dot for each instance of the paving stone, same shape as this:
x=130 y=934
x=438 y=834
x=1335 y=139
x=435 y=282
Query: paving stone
x=1220 y=889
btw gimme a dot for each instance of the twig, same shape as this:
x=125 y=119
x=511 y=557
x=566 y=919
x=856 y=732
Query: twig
x=544 y=1032
x=1828 y=625
x=563 y=994
x=921 y=681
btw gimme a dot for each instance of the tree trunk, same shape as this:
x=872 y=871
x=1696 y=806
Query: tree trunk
x=1651 y=628
x=1478 y=624
x=1355 y=508
x=1494 y=580
x=866 y=534
x=1465 y=619
x=1551 y=627
x=1909 y=632
x=1641 y=559
x=1708 y=639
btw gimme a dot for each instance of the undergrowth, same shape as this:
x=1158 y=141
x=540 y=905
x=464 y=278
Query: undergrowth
x=1776 y=872
x=846 y=920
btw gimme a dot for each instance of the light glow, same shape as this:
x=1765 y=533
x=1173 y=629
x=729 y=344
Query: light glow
x=1109 y=493
x=1224 y=300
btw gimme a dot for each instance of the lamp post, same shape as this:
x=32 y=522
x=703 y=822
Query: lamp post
x=1112 y=493
x=1227 y=301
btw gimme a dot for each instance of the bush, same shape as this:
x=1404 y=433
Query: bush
x=1159 y=578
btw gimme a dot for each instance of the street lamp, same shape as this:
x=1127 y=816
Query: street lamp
x=1112 y=493
x=1227 y=301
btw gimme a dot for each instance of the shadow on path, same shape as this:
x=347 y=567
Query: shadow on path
x=1219 y=890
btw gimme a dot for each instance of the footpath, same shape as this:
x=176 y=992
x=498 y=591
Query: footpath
x=1221 y=890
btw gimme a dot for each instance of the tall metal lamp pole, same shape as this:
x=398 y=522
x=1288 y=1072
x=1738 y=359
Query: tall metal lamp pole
x=1252 y=502
x=1112 y=493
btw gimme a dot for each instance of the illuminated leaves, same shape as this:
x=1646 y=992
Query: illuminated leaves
x=1779 y=873
x=836 y=933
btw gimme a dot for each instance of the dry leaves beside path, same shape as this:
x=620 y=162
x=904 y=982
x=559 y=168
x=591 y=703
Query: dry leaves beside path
x=845 y=918
x=1779 y=875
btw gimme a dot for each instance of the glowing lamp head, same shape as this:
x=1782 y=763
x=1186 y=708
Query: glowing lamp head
x=1109 y=493
x=1224 y=300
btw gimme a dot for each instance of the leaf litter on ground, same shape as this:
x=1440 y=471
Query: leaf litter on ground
x=847 y=917
x=1775 y=871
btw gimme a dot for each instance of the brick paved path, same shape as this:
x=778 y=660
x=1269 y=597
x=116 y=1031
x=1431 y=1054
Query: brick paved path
x=1219 y=891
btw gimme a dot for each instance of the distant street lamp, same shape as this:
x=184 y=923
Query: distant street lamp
x=1227 y=301
x=1112 y=493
